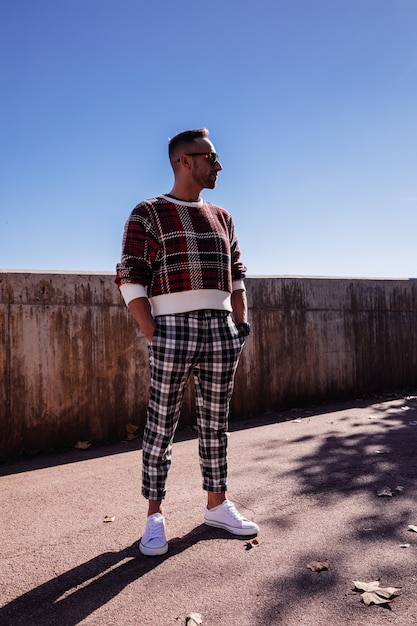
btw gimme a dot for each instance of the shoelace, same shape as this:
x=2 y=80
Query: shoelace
x=155 y=530
x=232 y=510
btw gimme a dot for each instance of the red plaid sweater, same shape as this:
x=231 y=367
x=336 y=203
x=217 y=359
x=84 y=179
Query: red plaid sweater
x=184 y=255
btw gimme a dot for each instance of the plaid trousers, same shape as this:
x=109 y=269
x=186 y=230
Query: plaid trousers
x=208 y=345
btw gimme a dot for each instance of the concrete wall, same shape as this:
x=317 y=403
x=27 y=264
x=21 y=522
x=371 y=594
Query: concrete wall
x=74 y=366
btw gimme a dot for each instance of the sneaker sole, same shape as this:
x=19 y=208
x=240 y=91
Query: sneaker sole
x=153 y=551
x=245 y=532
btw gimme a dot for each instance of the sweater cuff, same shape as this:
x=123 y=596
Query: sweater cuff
x=238 y=284
x=131 y=291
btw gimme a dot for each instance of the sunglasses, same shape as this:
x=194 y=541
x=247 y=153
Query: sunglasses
x=212 y=157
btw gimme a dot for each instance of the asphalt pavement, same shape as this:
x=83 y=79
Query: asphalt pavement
x=71 y=521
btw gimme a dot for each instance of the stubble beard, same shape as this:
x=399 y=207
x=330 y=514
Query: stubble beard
x=206 y=181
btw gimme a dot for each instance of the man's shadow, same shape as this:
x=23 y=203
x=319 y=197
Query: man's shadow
x=72 y=596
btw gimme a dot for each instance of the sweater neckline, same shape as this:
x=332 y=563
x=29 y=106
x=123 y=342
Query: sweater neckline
x=174 y=200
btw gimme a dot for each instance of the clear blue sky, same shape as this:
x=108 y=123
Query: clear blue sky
x=311 y=104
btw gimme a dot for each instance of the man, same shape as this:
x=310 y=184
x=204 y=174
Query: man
x=182 y=278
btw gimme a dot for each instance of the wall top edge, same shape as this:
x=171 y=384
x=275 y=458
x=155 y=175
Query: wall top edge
x=58 y=272
x=250 y=276
x=307 y=277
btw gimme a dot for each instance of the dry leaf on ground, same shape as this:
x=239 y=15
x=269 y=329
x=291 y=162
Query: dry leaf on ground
x=249 y=544
x=82 y=445
x=109 y=518
x=413 y=528
x=385 y=491
x=131 y=430
x=193 y=619
x=318 y=566
x=374 y=594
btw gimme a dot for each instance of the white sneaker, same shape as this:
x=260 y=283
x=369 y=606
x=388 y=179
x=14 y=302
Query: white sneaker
x=154 y=541
x=228 y=517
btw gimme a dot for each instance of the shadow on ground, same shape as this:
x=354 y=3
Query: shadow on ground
x=71 y=597
x=357 y=458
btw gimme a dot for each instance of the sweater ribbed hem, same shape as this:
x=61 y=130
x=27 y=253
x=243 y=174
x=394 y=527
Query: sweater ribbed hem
x=185 y=301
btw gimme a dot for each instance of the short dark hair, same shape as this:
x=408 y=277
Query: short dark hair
x=185 y=138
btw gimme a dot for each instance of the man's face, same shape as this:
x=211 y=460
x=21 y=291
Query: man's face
x=204 y=172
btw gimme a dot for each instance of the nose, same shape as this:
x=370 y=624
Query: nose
x=218 y=166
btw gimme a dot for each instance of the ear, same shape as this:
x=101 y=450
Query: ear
x=186 y=161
